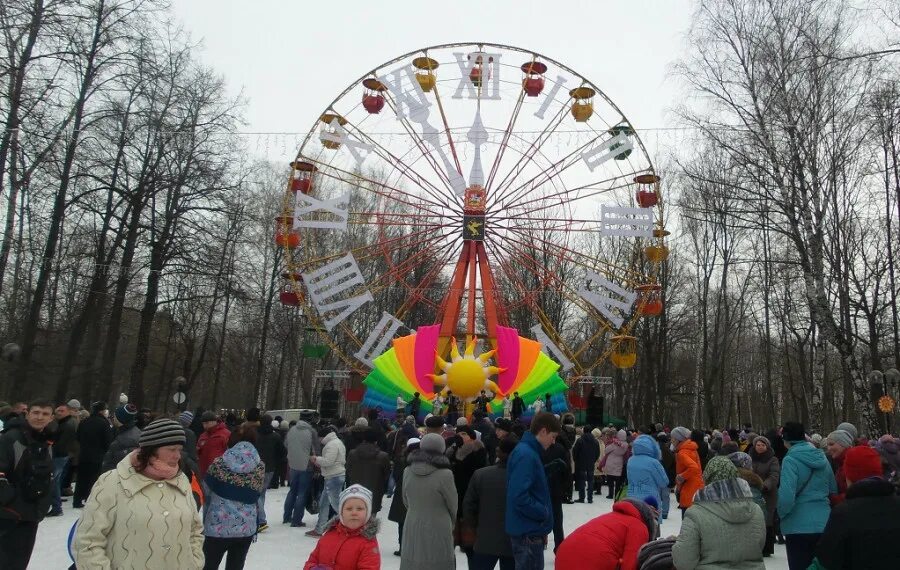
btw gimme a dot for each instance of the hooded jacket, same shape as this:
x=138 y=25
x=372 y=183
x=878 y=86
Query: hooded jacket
x=687 y=466
x=235 y=481
x=646 y=476
x=431 y=501
x=613 y=462
x=862 y=531
x=721 y=534
x=19 y=447
x=124 y=443
x=343 y=549
x=602 y=542
x=528 y=508
x=806 y=483
x=301 y=442
x=333 y=458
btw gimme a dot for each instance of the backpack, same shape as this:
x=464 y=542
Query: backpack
x=656 y=555
x=33 y=469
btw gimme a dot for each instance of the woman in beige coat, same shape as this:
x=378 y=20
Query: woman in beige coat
x=142 y=513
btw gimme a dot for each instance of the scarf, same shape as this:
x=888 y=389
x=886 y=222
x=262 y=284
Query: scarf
x=156 y=469
x=724 y=490
x=240 y=487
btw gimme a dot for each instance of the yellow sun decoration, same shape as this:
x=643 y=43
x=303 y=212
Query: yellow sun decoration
x=466 y=375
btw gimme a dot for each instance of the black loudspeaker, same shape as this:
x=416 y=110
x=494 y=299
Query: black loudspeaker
x=594 y=412
x=329 y=401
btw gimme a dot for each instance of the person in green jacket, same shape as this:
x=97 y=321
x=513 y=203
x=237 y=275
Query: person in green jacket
x=724 y=529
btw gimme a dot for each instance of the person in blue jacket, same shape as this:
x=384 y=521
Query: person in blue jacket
x=806 y=483
x=529 y=513
x=646 y=475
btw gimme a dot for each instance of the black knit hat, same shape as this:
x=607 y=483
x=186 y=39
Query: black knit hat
x=126 y=414
x=793 y=431
x=162 y=432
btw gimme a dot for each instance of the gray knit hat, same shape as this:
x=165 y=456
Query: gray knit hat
x=680 y=434
x=849 y=428
x=842 y=438
x=162 y=432
x=432 y=443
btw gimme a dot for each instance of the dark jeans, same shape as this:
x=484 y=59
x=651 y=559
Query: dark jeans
x=528 y=552
x=87 y=476
x=295 y=501
x=214 y=549
x=481 y=561
x=558 y=534
x=801 y=549
x=60 y=466
x=769 y=547
x=16 y=543
x=583 y=478
x=261 y=502
x=615 y=483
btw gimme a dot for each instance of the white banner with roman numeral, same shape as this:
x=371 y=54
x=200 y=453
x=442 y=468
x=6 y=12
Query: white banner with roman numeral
x=626 y=221
x=611 y=300
x=327 y=285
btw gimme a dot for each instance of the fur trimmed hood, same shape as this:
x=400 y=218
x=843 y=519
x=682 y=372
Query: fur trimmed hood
x=469 y=448
x=368 y=530
x=423 y=463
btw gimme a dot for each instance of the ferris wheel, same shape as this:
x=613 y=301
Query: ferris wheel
x=474 y=188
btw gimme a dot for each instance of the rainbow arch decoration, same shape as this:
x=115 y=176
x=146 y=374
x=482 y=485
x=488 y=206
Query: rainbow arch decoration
x=410 y=364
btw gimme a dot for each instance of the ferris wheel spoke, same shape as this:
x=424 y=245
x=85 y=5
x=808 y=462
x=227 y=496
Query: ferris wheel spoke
x=564 y=195
x=510 y=195
x=583 y=260
x=398 y=219
x=375 y=187
x=362 y=252
x=526 y=157
x=390 y=158
x=514 y=249
x=395 y=272
x=418 y=293
x=507 y=133
x=447 y=132
x=422 y=145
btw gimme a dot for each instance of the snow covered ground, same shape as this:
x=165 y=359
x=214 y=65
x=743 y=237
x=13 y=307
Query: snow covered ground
x=283 y=547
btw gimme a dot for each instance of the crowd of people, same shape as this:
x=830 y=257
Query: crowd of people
x=189 y=490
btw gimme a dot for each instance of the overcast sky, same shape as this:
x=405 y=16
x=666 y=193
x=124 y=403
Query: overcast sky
x=290 y=59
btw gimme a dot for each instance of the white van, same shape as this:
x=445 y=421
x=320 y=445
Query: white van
x=291 y=415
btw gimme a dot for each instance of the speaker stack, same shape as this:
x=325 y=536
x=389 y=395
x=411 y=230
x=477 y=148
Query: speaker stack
x=329 y=403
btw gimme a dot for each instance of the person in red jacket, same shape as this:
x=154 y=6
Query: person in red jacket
x=349 y=542
x=613 y=540
x=213 y=442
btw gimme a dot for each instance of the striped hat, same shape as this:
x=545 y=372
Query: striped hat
x=162 y=432
x=186 y=418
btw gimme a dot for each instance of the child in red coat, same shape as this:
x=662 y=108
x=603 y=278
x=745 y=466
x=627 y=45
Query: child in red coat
x=613 y=540
x=349 y=541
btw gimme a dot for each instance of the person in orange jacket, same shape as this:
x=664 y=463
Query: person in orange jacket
x=688 y=473
x=611 y=541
